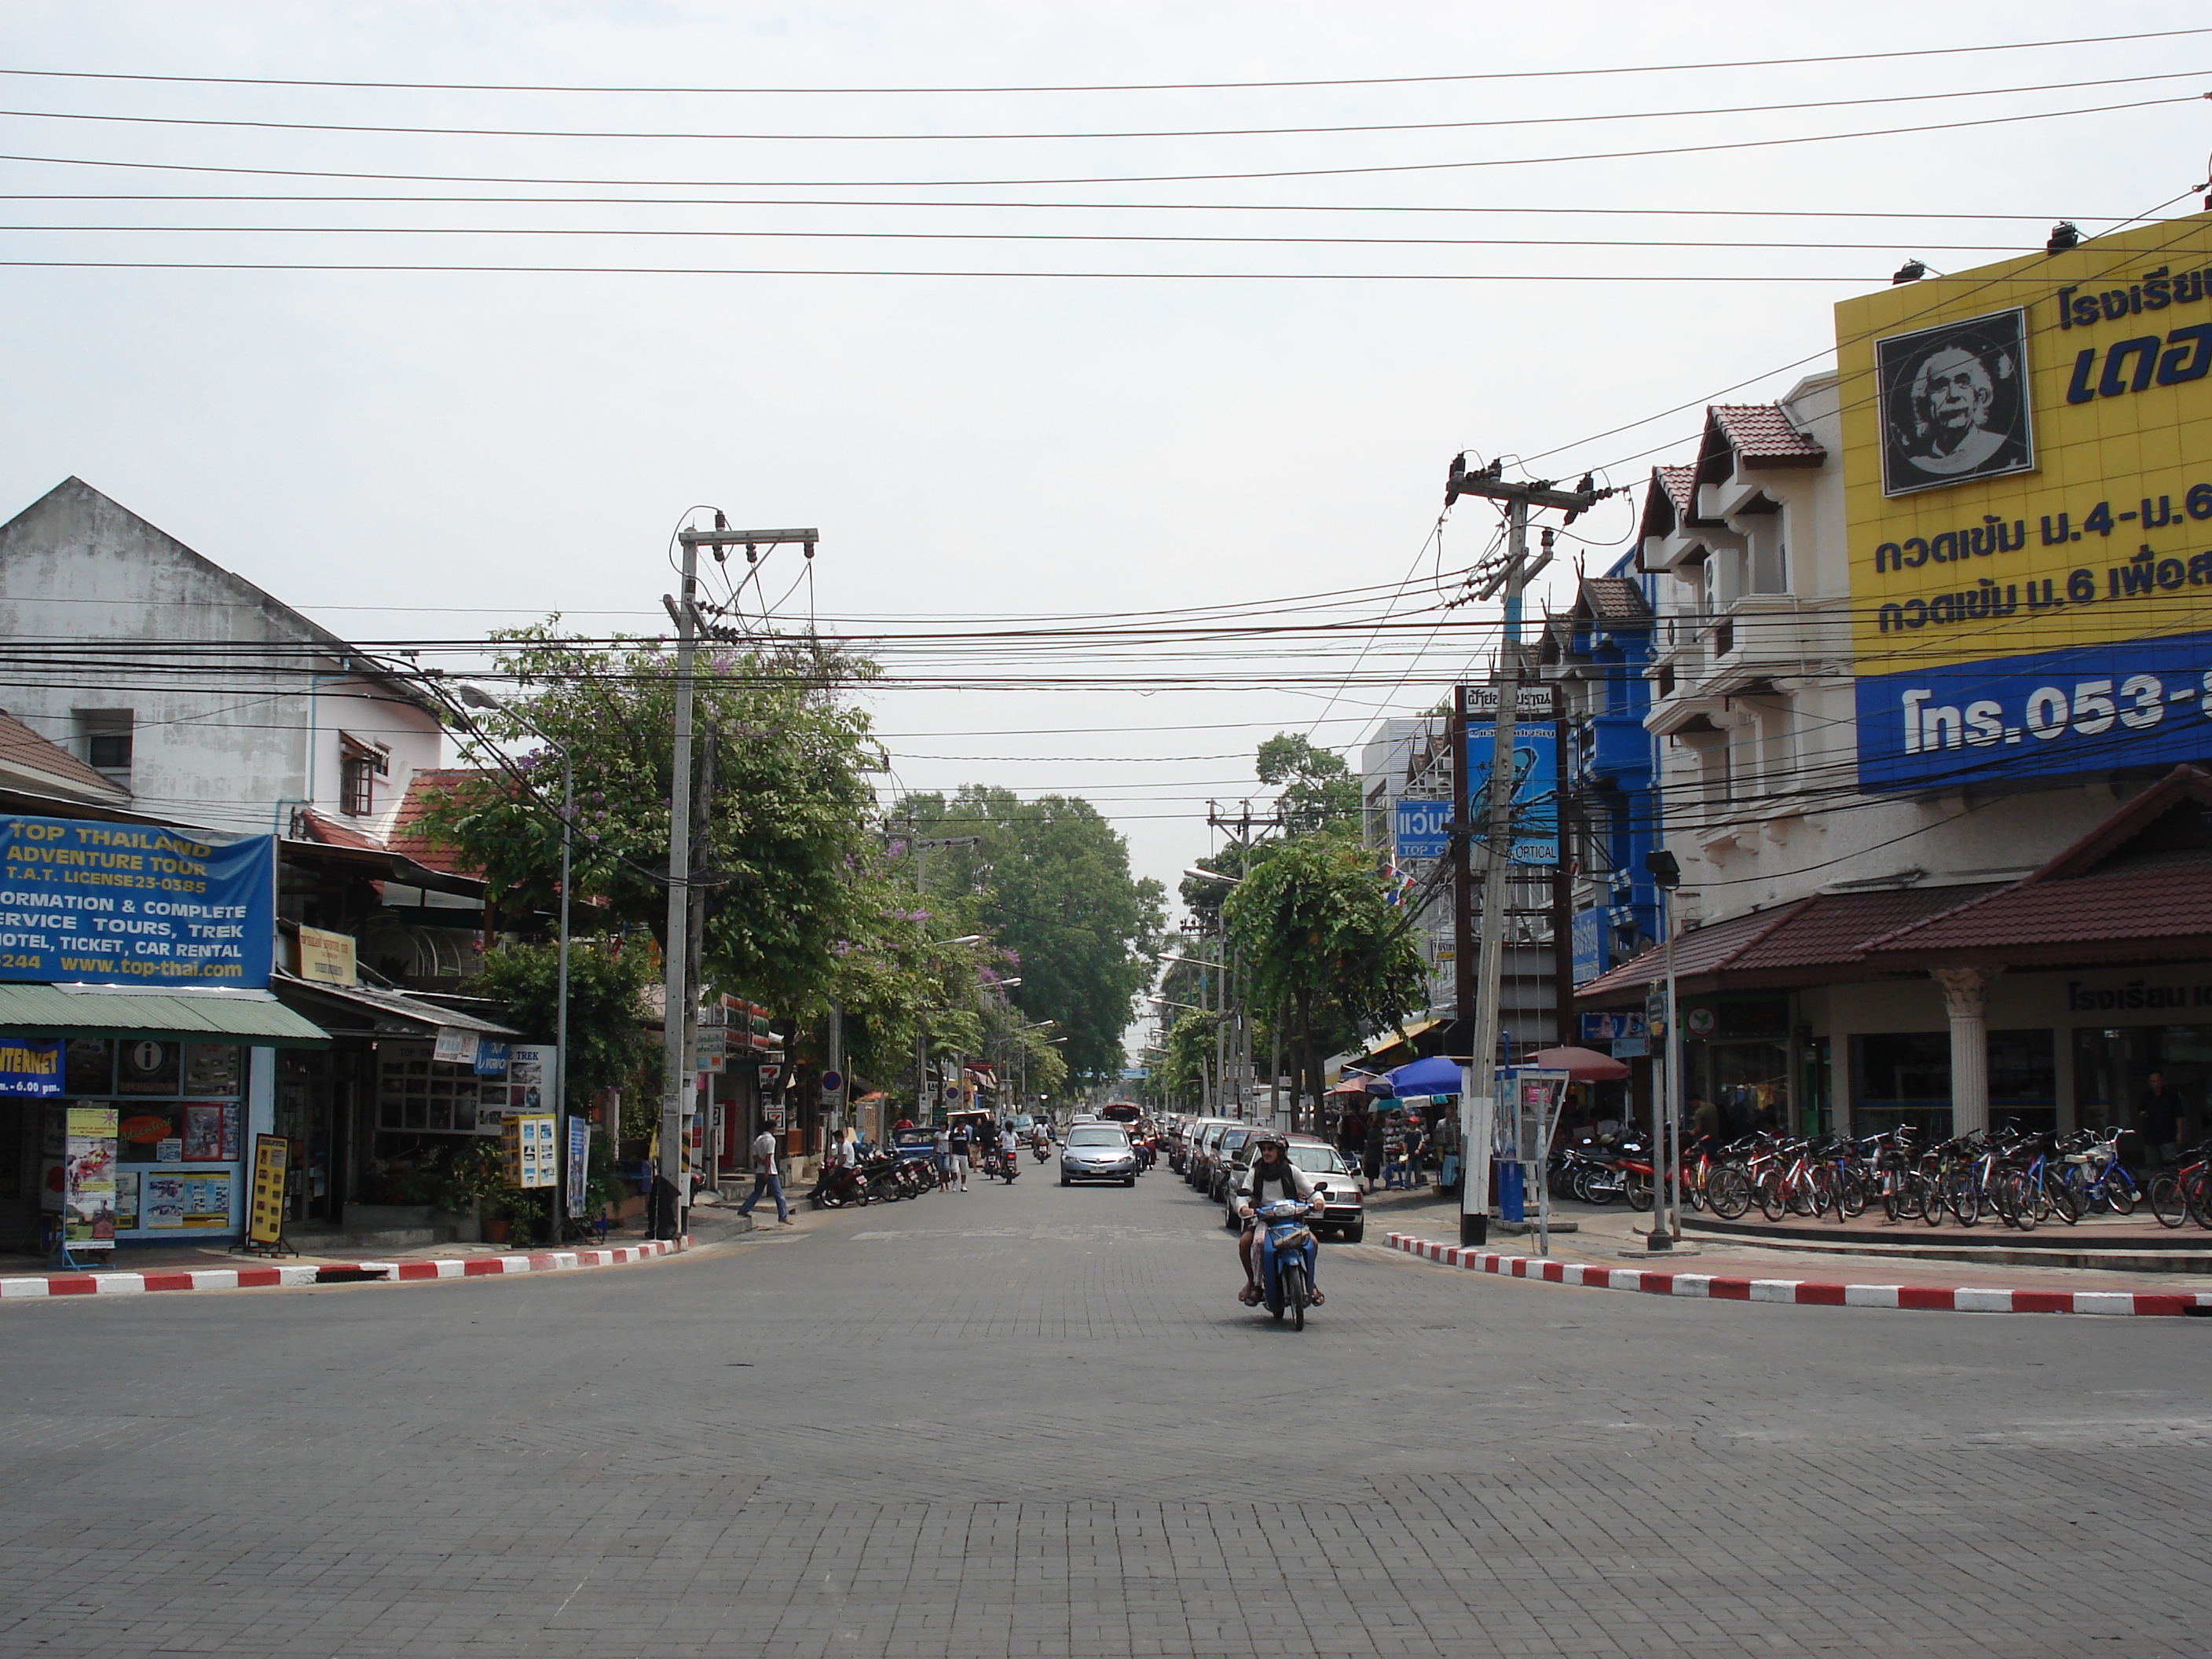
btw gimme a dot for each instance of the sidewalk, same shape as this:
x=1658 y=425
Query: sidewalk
x=1614 y=1237
x=211 y=1268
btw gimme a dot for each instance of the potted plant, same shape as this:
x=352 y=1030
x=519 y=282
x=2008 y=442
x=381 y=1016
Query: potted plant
x=471 y=1175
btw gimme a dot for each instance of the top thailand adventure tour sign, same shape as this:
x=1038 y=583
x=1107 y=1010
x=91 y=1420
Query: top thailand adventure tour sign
x=2028 y=490
x=134 y=904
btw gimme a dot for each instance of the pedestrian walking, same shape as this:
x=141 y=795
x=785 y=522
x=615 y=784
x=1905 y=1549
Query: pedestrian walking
x=960 y=1148
x=1371 y=1150
x=765 y=1180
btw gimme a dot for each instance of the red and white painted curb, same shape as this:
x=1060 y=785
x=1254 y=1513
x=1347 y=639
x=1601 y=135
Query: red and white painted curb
x=1805 y=1292
x=311 y=1273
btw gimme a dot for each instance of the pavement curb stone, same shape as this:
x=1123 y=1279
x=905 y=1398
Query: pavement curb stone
x=1941 y=1298
x=310 y=1272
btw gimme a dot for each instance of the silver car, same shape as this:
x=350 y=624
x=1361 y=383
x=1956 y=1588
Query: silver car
x=1343 y=1210
x=1098 y=1151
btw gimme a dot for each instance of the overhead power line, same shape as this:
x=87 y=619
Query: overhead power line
x=244 y=124
x=1139 y=86
x=1373 y=170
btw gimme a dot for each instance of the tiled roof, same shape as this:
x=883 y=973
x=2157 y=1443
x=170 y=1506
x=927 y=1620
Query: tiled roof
x=38 y=760
x=316 y=826
x=2116 y=916
x=1668 y=499
x=2138 y=888
x=1615 y=599
x=1810 y=941
x=410 y=838
x=1761 y=436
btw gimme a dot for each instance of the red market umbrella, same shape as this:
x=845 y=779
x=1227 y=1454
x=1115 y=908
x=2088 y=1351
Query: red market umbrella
x=1581 y=1065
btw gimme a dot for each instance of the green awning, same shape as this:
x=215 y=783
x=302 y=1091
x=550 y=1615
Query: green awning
x=249 y=1017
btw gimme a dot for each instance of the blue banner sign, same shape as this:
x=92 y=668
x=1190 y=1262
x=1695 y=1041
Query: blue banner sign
x=1591 y=934
x=1421 y=829
x=134 y=904
x=1535 y=786
x=30 y=1069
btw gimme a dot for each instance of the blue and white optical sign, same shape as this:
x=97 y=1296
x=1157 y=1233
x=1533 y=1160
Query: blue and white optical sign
x=134 y=904
x=1421 y=829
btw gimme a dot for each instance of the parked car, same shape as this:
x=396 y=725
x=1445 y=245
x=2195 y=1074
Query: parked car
x=1098 y=1151
x=1200 y=1166
x=1224 y=1167
x=1343 y=1210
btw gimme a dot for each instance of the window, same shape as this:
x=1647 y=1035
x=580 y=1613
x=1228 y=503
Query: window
x=104 y=741
x=360 y=765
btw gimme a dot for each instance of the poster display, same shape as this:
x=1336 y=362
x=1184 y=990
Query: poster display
x=530 y=1076
x=210 y=1133
x=454 y=1046
x=580 y=1164
x=127 y=1200
x=264 y=1223
x=532 y=1152
x=163 y=1201
x=2027 y=467
x=89 y=1156
x=135 y=904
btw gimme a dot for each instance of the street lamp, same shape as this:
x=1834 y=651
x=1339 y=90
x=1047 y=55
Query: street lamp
x=1189 y=1007
x=1193 y=871
x=476 y=697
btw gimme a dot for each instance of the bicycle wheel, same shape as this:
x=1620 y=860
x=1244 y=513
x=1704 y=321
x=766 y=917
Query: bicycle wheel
x=1821 y=1188
x=2016 y=1201
x=2061 y=1199
x=1935 y=1188
x=2118 y=1193
x=2197 y=1193
x=1962 y=1197
x=2167 y=1201
x=1854 y=1192
x=1638 y=1188
x=1773 y=1201
x=1798 y=1189
x=1727 y=1190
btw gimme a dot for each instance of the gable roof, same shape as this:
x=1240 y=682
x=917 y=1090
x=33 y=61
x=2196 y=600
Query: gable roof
x=321 y=827
x=74 y=498
x=1760 y=435
x=2137 y=888
x=410 y=838
x=28 y=761
x=1810 y=941
x=1614 y=600
x=1670 y=501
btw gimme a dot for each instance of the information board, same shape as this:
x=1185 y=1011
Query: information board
x=88 y=1178
x=134 y=904
x=532 y=1152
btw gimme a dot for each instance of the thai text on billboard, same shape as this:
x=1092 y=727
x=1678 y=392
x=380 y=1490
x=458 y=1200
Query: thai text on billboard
x=2029 y=496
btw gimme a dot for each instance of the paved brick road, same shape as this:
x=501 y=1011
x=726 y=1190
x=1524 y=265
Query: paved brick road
x=1035 y=1422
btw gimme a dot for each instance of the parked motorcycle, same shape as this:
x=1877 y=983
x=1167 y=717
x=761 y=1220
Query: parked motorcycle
x=1287 y=1254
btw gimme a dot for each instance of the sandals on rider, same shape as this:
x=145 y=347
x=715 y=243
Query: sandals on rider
x=1249 y=1296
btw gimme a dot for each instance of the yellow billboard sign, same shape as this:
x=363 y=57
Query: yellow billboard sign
x=2027 y=465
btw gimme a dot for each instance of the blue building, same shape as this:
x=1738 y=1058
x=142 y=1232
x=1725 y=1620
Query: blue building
x=1597 y=651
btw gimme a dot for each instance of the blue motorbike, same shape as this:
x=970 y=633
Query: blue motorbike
x=1287 y=1255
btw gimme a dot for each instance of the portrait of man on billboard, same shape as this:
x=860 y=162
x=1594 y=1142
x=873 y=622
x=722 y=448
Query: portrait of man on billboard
x=1954 y=403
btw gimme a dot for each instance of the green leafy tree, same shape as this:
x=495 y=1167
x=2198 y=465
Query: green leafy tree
x=1048 y=879
x=1319 y=792
x=609 y=1047
x=788 y=817
x=1323 y=943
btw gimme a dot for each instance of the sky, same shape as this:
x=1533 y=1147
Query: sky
x=991 y=423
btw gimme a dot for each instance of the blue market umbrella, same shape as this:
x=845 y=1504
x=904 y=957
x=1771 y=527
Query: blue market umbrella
x=1433 y=1076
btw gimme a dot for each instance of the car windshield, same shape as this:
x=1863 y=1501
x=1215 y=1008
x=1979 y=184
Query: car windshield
x=1317 y=1160
x=1100 y=1137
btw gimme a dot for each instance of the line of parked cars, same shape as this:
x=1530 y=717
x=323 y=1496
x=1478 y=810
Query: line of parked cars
x=1214 y=1156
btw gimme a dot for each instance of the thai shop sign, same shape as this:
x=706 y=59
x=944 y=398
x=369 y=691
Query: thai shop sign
x=134 y=904
x=2027 y=482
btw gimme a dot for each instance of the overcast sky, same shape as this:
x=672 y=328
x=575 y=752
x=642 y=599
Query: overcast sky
x=423 y=455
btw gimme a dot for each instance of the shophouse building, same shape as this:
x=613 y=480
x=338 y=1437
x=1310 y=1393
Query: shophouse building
x=1933 y=632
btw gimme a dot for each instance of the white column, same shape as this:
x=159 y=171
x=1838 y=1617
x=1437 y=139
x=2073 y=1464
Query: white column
x=1966 y=999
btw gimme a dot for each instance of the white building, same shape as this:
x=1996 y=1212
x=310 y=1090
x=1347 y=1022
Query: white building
x=203 y=699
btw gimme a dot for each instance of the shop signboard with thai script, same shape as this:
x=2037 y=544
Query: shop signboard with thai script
x=1535 y=785
x=2027 y=468
x=134 y=904
x=29 y=1067
x=328 y=958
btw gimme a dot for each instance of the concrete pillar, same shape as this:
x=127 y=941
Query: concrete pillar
x=1966 y=999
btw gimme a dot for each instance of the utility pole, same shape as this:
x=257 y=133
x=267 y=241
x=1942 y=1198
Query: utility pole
x=678 y=1032
x=1479 y=1082
x=924 y=1108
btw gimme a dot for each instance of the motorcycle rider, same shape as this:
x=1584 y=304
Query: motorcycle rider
x=1271 y=1167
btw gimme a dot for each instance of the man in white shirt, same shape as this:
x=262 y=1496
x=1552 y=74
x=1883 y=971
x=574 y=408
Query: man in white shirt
x=765 y=1179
